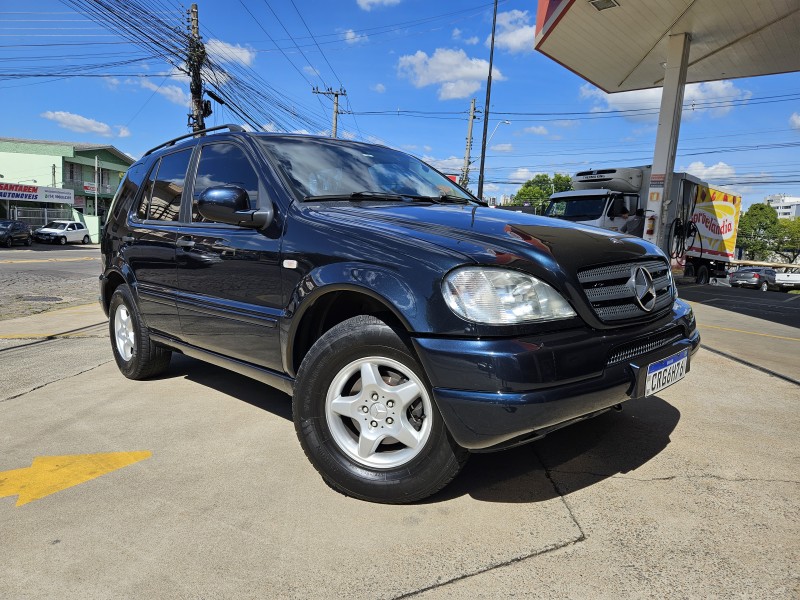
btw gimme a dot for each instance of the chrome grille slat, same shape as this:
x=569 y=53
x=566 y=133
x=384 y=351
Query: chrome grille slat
x=612 y=299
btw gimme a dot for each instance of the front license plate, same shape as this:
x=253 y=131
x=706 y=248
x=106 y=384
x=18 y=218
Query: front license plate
x=665 y=372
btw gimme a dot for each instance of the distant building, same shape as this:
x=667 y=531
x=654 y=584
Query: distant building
x=65 y=165
x=788 y=207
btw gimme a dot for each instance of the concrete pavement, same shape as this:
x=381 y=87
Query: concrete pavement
x=690 y=494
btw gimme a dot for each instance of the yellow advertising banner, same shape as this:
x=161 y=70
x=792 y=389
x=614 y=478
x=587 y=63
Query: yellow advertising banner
x=716 y=216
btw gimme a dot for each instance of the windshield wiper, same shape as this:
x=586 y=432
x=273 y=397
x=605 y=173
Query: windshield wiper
x=370 y=195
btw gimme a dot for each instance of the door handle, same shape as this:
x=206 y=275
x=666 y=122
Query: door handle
x=128 y=239
x=185 y=242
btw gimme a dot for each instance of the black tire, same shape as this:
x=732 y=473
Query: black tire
x=28 y=241
x=9 y=242
x=145 y=358
x=62 y=240
x=86 y=239
x=702 y=275
x=688 y=270
x=323 y=434
x=763 y=287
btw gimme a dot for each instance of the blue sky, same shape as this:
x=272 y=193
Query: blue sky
x=410 y=69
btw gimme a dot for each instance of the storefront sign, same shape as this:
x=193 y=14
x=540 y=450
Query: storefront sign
x=89 y=187
x=35 y=193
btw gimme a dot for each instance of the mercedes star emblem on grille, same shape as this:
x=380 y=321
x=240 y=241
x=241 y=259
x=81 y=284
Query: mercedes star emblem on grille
x=643 y=291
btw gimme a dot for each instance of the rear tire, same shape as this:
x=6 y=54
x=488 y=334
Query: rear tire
x=702 y=275
x=28 y=241
x=763 y=287
x=366 y=419
x=9 y=242
x=137 y=357
x=86 y=239
x=62 y=240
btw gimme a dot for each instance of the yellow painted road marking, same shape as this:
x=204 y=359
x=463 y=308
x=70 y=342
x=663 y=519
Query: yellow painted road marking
x=777 y=337
x=43 y=260
x=50 y=474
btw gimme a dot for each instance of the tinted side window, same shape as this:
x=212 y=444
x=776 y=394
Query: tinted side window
x=224 y=164
x=141 y=210
x=165 y=205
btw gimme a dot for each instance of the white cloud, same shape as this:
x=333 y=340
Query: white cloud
x=514 y=33
x=77 y=123
x=427 y=148
x=351 y=37
x=123 y=131
x=409 y=147
x=794 y=121
x=309 y=70
x=450 y=165
x=379 y=88
x=536 y=130
x=368 y=4
x=230 y=53
x=112 y=83
x=695 y=100
x=456 y=74
x=472 y=40
x=718 y=171
x=270 y=127
x=173 y=93
x=456 y=34
x=502 y=148
x=566 y=123
x=522 y=175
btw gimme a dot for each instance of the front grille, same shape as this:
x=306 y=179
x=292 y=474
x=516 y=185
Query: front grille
x=644 y=345
x=612 y=296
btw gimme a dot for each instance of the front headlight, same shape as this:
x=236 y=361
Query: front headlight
x=502 y=297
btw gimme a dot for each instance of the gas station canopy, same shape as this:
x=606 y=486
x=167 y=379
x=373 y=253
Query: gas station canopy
x=621 y=45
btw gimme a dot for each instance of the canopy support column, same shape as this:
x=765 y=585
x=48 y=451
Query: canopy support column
x=669 y=124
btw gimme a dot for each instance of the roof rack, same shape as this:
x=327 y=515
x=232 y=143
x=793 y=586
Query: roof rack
x=230 y=127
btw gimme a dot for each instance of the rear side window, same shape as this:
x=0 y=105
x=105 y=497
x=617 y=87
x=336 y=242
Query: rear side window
x=161 y=199
x=165 y=204
x=224 y=164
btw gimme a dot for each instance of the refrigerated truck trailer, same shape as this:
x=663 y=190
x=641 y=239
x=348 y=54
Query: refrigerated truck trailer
x=599 y=197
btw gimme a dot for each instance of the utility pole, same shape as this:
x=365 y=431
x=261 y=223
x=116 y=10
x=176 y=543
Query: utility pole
x=196 y=57
x=464 y=181
x=335 y=94
x=486 y=110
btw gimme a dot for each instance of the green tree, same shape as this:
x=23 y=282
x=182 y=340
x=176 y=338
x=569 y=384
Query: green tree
x=537 y=191
x=758 y=231
x=788 y=240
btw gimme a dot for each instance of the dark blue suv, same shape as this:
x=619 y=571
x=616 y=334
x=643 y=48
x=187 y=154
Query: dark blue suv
x=410 y=323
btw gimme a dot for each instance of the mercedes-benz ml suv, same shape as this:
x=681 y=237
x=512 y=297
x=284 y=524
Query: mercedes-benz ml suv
x=410 y=323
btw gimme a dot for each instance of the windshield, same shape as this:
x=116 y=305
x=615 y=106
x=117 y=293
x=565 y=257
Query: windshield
x=5 y=224
x=577 y=208
x=330 y=170
x=55 y=225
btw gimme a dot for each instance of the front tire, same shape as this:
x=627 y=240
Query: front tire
x=86 y=239
x=9 y=242
x=28 y=241
x=764 y=286
x=62 y=240
x=365 y=416
x=137 y=357
x=702 y=275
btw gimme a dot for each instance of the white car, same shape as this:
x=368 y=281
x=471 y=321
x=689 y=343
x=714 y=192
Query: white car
x=62 y=232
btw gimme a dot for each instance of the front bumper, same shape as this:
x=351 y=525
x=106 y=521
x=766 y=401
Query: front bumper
x=498 y=393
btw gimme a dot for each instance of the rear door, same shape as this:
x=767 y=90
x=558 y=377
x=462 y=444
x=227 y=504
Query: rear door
x=229 y=276
x=149 y=245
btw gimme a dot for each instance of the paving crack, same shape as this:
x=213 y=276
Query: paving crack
x=671 y=477
x=38 y=387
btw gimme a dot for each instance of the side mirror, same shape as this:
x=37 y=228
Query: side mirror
x=230 y=204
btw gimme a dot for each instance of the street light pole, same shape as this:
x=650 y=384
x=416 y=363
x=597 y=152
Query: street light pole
x=486 y=108
x=495 y=130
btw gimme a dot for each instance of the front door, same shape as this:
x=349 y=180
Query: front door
x=229 y=276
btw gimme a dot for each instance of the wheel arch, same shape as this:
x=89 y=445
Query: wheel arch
x=325 y=308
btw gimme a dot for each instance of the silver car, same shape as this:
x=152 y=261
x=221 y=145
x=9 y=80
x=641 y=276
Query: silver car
x=760 y=278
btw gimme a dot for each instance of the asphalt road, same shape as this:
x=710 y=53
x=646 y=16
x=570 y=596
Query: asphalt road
x=44 y=277
x=770 y=306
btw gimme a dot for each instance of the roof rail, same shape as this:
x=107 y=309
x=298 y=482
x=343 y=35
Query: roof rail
x=230 y=127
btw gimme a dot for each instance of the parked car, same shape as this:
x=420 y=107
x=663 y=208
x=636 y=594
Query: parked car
x=787 y=279
x=760 y=278
x=62 y=232
x=12 y=232
x=411 y=323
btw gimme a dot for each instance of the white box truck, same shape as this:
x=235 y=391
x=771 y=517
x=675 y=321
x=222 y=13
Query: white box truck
x=701 y=223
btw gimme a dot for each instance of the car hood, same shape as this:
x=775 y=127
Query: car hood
x=50 y=230
x=545 y=246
